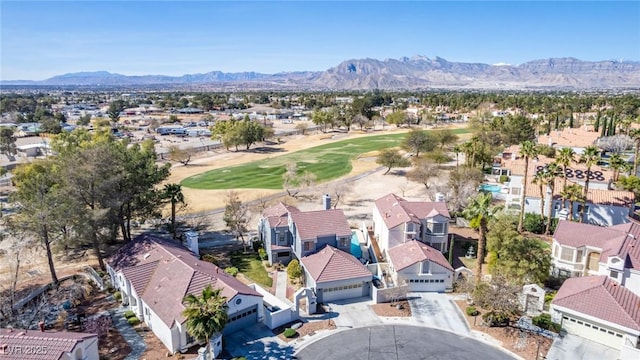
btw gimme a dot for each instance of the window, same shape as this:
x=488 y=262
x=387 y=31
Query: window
x=557 y=206
x=515 y=191
x=437 y=228
x=424 y=269
x=343 y=242
x=579 y=256
x=411 y=227
x=283 y=254
x=580 y=209
x=613 y=274
x=555 y=250
x=566 y=254
x=281 y=237
x=308 y=246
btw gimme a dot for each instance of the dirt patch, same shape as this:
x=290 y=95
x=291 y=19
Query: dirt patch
x=392 y=310
x=528 y=346
x=308 y=328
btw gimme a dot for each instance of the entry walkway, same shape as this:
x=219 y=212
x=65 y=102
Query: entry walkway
x=135 y=341
x=281 y=285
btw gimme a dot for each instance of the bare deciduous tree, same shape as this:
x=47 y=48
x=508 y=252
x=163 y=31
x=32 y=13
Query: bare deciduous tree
x=423 y=171
x=182 y=156
x=293 y=182
x=236 y=216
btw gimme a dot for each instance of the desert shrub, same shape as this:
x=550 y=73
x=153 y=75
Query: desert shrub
x=546 y=150
x=233 y=271
x=289 y=333
x=133 y=321
x=503 y=179
x=495 y=318
x=548 y=297
x=117 y=295
x=129 y=314
x=533 y=223
x=262 y=253
x=544 y=321
x=472 y=311
x=256 y=244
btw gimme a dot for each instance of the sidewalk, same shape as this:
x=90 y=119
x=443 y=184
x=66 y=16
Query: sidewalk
x=135 y=341
x=281 y=285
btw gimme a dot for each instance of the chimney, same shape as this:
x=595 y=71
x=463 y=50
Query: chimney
x=192 y=242
x=41 y=324
x=326 y=201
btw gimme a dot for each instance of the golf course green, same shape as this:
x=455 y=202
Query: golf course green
x=326 y=162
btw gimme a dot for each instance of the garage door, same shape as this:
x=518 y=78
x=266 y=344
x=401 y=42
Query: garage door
x=347 y=291
x=591 y=331
x=241 y=320
x=432 y=285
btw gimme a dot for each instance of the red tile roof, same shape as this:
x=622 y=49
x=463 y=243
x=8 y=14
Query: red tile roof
x=412 y=252
x=396 y=210
x=570 y=137
x=600 y=297
x=53 y=343
x=314 y=224
x=331 y=264
x=163 y=273
x=600 y=174
x=594 y=196
x=278 y=214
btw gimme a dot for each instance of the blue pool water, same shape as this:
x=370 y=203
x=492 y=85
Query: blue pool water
x=355 y=245
x=490 y=188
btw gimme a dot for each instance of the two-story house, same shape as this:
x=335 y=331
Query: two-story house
x=313 y=230
x=602 y=302
x=421 y=267
x=273 y=229
x=396 y=220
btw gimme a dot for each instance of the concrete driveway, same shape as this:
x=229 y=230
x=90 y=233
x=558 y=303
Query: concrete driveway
x=353 y=313
x=576 y=347
x=437 y=311
x=257 y=342
x=398 y=342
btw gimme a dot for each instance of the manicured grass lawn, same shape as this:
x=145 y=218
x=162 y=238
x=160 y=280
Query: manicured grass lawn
x=250 y=265
x=326 y=162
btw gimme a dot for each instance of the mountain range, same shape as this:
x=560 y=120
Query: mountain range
x=418 y=72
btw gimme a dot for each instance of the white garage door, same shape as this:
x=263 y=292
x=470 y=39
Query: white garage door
x=432 y=285
x=347 y=291
x=241 y=320
x=591 y=331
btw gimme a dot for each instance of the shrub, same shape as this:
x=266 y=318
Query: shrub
x=544 y=321
x=256 y=244
x=533 y=223
x=262 y=253
x=495 y=318
x=209 y=258
x=503 y=179
x=548 y=297
x=133 y=321
x=129 y=314
x=472 y=311
x=117 y=295
x=233 y=271
x=289 y=333
x=294 y=270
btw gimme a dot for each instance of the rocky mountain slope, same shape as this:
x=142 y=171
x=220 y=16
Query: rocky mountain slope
x=418 y=72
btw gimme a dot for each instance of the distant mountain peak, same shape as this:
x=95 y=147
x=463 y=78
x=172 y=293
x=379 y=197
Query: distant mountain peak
x=416 y=72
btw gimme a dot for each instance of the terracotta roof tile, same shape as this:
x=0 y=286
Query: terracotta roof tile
x=57 y=343
x=278 y=215
x=396 y=210
x=575 y=234
x=516 y=166
x=568 y=137
x=594 y=196
x=177 y=273
x=314 y=224
x=331 y=264
x=600 y=297
x=411 y=252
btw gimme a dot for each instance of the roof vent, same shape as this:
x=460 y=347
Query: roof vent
x=146 y=256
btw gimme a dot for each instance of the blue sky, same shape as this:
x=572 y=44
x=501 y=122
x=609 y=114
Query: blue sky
x=42 y=39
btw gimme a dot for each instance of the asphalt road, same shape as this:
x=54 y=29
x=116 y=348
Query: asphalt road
x=399 y=342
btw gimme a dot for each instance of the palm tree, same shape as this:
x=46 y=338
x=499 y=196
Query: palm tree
x=573 y=193
x=617 y=163
x=206 y=314
x=541 y=180
x=564 y=158
x=480 y=211
x=635 y=135
x=551 y=172
x=173 y=192
x=527 y=150
x=457 y=150
x=589 y=157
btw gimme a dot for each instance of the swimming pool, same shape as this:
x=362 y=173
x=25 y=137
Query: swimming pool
x=355 y=245
x=490 y=188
